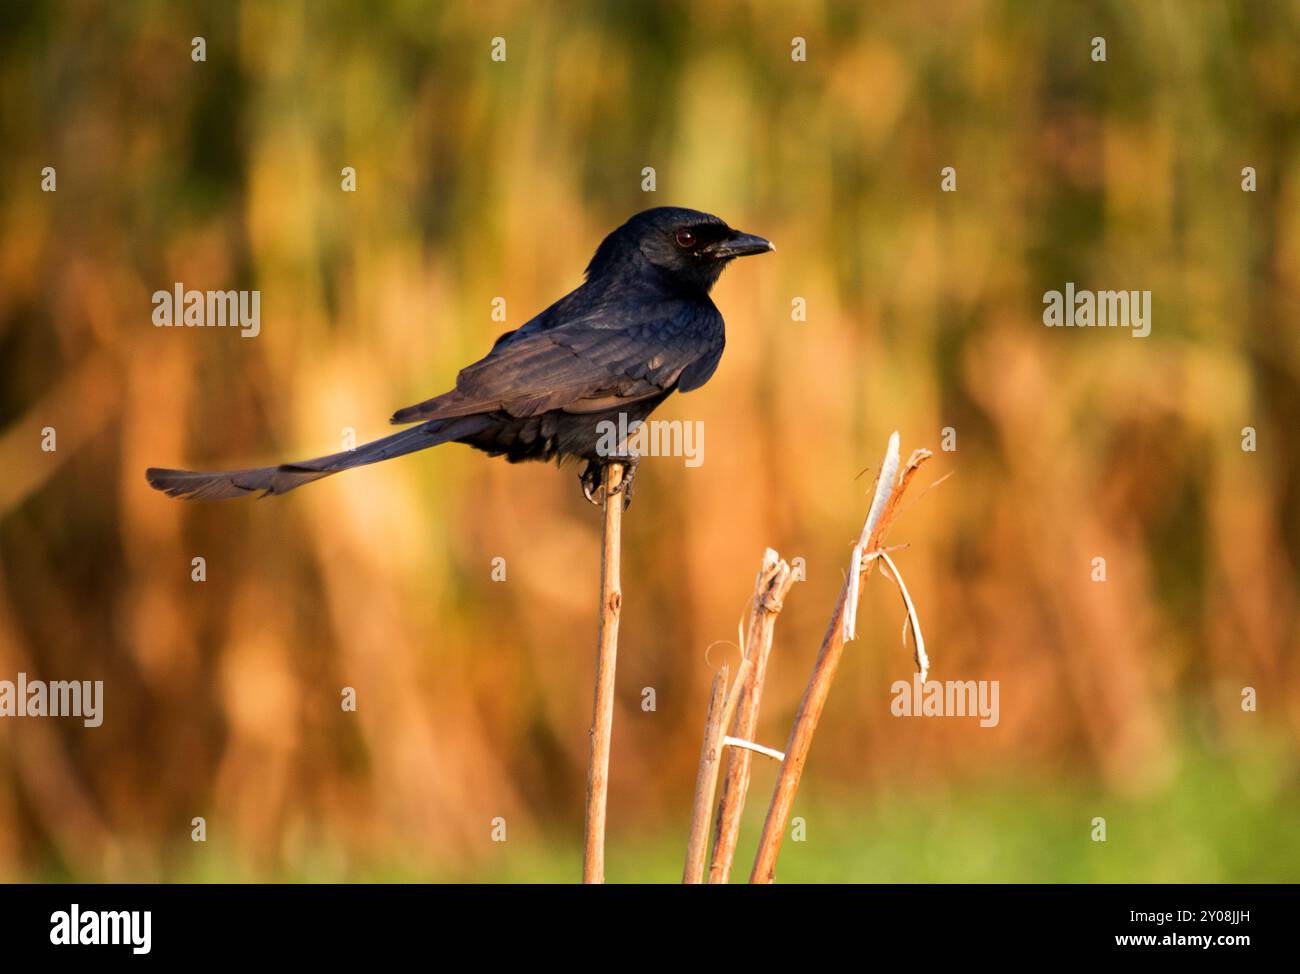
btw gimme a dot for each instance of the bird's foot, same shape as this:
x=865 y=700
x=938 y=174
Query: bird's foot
x=625 y=484
x=592 y=479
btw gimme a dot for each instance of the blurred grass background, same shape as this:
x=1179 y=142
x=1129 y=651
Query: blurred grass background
x=479 y=179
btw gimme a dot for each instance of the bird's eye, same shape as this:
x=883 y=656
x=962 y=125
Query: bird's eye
x=685 y=239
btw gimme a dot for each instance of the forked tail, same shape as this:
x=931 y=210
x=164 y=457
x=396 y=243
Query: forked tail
x=223 y=484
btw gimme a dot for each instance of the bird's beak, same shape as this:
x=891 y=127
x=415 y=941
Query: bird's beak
x=739 y=245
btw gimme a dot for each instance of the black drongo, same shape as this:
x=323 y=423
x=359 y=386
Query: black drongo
x=640 y=326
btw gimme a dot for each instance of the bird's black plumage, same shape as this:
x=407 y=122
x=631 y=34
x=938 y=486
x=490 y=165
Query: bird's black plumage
x=640 y=327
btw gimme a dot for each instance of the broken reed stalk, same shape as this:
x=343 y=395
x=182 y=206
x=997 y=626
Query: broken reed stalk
x=716 y=722
x=602 y=713
x=889 y=490
x=706 y=779
x=770 y=589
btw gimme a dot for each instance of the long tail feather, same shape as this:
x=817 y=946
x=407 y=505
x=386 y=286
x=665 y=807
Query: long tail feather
x=284 y=477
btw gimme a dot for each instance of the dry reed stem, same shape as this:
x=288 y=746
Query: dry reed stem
x=602 y=714
x=737 y=688
x=771 y=586
x=714 y=743
x=889 y=492
x=706 y=779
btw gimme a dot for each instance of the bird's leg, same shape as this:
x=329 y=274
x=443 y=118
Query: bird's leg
x=592 y=479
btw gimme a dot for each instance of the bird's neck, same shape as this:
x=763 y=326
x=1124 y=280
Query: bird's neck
x=650 y=283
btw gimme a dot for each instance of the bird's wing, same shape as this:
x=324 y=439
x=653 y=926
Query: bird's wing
x=585 y=365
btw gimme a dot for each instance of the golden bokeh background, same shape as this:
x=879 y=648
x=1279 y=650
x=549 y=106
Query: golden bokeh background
x=479 y=179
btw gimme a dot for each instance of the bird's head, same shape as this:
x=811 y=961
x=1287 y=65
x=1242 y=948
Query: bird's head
x=686 y=248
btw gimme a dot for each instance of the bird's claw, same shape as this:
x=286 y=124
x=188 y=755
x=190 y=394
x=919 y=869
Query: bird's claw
x=625 y=484
x=592 y=479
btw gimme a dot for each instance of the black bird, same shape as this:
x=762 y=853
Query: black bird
x=640 y=326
